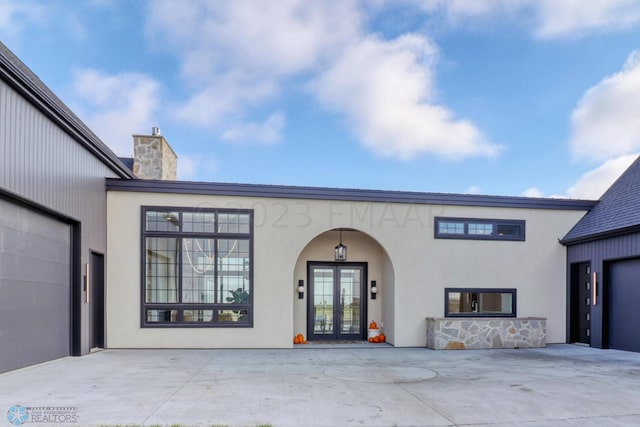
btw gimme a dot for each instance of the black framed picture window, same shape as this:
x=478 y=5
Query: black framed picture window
x=197 y=267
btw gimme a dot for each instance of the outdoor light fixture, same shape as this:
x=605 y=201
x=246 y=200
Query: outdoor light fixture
x=300 y=289
x=341 y=250
x=374 y=289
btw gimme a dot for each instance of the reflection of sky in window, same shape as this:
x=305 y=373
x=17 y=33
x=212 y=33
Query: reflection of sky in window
x=451 y=227
x=482 y=229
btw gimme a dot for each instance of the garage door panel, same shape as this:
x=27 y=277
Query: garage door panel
x=16 y=267
x=624 y=299
x=35 y=279
x=43 y=295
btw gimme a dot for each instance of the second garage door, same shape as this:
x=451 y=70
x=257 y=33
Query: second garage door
x=34 y=287
x=624 y=303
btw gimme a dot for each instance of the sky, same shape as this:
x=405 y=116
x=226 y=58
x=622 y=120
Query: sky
x=536 y=98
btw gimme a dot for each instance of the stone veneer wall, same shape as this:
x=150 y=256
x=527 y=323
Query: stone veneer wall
x=483 y=332
x=153 y=158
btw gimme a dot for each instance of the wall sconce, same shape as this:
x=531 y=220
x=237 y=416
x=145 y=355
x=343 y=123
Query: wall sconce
x=341 y=250
x=300 y=289
x=374 y=289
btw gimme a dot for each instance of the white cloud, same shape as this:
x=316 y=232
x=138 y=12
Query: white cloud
x=594 y=183
x=15 y=15
x=473 y=190
x=115 y=106
x=268 y=132
x=546 y=18
x=236 y=56
x=223 y=98
x=606 y=123
x=191 y=166
x=558 y=18
x=532 y=192
x=385 y=89
x=462 y=9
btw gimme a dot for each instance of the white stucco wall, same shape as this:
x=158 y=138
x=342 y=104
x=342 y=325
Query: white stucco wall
x=412 y=268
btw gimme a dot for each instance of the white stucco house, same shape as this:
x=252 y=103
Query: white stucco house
x=101 y=252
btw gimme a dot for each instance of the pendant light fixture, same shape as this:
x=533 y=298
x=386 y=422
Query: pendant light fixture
x=341 y=250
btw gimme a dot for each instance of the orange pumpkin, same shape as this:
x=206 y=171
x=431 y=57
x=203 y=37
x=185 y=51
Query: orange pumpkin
x=373 y=325
x=370 y=339
x=383 y=338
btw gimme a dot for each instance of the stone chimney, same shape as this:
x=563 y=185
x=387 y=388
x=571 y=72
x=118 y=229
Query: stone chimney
x=153 y=157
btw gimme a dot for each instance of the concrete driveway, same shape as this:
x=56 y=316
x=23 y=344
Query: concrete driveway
x=561 y=385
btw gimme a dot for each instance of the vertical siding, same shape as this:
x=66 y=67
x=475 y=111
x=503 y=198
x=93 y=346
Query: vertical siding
x=43 y=164
x=599 y=253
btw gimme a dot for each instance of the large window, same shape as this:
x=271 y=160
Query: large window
x=479 y=229
x=474 y=302
x=197 y=267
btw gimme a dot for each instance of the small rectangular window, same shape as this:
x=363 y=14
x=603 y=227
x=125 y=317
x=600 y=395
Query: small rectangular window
x=449 y=227
x=479 y=229
x=162 y=221
x=197 y=316
x=162 y=316
x=483 y=229
x=478 y=302
x=198 y=222
x=509 y=230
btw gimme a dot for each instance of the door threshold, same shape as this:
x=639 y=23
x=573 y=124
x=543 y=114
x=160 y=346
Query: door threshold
x=342 y=344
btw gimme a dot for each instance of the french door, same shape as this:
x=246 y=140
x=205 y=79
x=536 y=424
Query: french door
x=337 y=301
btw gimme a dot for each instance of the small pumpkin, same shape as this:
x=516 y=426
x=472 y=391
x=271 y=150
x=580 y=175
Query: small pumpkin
x=383 y=338
x=370 y=339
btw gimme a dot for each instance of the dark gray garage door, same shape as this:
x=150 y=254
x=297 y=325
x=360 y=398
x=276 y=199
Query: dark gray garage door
x=34 y=287
x=624 y=299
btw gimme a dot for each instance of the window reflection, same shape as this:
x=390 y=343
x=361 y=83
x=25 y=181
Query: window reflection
x=480 y=302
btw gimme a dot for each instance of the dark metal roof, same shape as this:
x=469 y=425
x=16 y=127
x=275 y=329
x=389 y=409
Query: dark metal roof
x=345 y=194
x=22 y=79
x=127 y=161
x=617 y=212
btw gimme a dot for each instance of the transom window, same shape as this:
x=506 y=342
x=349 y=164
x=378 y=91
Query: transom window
x=477 y=228
x=197 y=267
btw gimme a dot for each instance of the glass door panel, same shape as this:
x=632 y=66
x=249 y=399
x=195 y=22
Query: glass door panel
x=336 y=309
x=323 y=297
x=350 y=284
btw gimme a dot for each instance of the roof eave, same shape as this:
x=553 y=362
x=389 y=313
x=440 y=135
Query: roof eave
x=343 y=194
x=21 y=79
x=599 y=236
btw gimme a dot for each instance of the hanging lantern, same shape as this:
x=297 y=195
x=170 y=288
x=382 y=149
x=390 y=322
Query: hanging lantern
x=340 y=250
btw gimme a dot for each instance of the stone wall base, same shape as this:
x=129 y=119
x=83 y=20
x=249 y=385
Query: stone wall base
x=483 y=332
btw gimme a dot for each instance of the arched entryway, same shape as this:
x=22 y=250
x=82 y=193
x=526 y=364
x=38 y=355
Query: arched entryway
x=337 y=303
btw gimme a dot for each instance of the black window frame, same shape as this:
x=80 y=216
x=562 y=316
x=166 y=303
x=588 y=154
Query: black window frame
x=179 y=234
x=512 y=291
x=495 y=223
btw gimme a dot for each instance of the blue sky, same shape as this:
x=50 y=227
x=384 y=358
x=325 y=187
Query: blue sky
x=508 y=97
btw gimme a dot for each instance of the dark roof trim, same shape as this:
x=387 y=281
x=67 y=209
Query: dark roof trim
x=603 y=235
x=30 y=204
x=24 y=81
x=321 y=193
